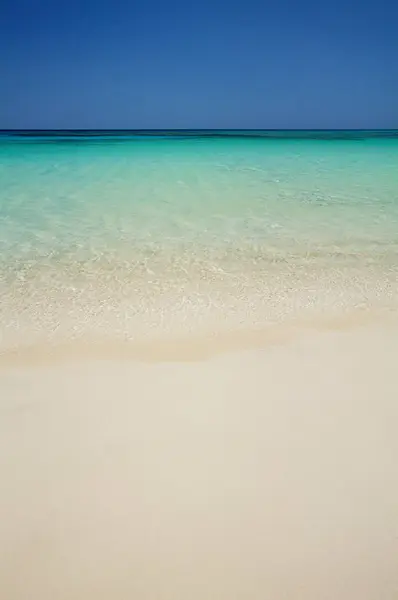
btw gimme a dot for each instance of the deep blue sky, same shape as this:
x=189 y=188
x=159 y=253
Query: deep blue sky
x=208 y=64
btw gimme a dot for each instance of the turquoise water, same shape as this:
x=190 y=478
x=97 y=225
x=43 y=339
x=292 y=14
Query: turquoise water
x=136 y=235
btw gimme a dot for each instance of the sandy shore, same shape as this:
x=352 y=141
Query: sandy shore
x=260 y=473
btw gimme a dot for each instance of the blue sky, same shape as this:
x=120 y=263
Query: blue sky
x=211 y=64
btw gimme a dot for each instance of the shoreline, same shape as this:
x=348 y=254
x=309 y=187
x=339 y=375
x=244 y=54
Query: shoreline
x=189 y=347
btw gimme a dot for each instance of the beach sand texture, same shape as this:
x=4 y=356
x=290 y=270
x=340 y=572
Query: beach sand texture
x=259 y=473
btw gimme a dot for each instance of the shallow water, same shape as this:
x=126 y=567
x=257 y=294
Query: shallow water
x=133 y=236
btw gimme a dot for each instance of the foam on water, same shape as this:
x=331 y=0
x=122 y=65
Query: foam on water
x=137 y=236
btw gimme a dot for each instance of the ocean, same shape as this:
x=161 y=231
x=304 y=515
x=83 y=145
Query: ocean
x=136 y=235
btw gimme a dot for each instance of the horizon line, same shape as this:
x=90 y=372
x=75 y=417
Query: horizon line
x=197 y=129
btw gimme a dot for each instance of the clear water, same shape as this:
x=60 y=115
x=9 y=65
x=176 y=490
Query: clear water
x=137 y=235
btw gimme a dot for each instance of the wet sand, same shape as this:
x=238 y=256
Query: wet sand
x=265 y=472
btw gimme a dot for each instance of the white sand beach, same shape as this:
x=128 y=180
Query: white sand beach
x=257 y=473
